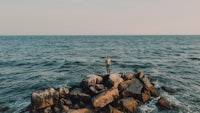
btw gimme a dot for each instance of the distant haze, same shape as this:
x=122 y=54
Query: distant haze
x=99 y=17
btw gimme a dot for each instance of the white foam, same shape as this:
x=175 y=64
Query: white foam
x=156 y=84
x=172 y=99
x=146 y=109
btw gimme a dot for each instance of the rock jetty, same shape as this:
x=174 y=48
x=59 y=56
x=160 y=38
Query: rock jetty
x=104 y=93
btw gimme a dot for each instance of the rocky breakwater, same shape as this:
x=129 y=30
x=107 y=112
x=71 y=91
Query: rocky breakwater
x=110 y=93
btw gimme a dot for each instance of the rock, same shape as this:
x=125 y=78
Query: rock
x=129 y=104
x=104 y=98
x=114 y=80
x=146 y=82
x=75 y=92
x=164 y=104
x=65 y=102
x=140 y=75
x=90 y=80
x=44 y=98
x=77 y=95
x=99 y=87
x=48 y=110
x=3 y=109
x=128 y=76
x=123 y=85
x=146 y=95
x=65 y=108
x=83 y=110
x=63 y=92
x=169 y=90
x=111 y=109
x=135 y=87
x=154 y=92
x=86 y=98
x=57 y=109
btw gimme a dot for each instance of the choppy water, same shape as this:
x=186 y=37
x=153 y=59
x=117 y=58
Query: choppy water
x=31 y=63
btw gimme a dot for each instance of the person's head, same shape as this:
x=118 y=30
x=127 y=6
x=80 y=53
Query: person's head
x=108 y=57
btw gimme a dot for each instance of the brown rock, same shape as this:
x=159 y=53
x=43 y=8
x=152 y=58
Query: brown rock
x=105 y=98
x=146 y=82
x=129 y=104
x=164 y=104
x=128 y=76
x=91 y=80
x=146 y=95
x=44 y=98
x=111 y=109
x=140 y=75
x=83 y=110
x=154 y=92
x=115 y=79
x=48 y=110
x=123 y=85
x=99 y=87
x=63 y=92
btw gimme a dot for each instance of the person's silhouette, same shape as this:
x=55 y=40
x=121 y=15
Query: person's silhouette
x=108 y=63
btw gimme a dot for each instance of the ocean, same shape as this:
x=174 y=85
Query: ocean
x=32 y=63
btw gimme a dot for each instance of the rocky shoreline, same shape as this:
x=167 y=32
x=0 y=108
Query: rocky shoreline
x=103 y=93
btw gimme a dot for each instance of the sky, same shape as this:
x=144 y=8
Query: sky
x=99 y=17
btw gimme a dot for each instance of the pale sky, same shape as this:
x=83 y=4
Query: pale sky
x=99 y=17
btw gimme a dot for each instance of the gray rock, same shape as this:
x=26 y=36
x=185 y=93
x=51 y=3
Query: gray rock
x=169 y=90
x=135 y=87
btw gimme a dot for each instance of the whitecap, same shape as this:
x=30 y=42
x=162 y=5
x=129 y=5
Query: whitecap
x=156 y=84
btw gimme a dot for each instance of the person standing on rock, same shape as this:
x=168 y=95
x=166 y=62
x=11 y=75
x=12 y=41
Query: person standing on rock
x=108 y=63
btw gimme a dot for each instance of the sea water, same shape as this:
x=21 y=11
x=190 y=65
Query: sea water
x=32 y=63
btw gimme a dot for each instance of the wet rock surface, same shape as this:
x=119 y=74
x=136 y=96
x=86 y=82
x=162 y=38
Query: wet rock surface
x=106 y=93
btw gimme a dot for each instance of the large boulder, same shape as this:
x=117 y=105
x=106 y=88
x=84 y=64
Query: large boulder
x=104 y=98
x=114 y=80
x=134 y=88
x=164 y=104
x=63 y=92
x=91 y=80
x=44 y=98
x=129 y=104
